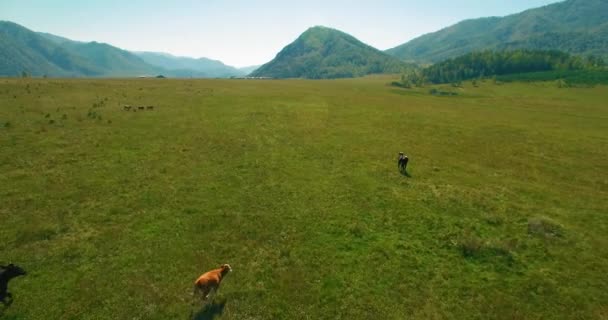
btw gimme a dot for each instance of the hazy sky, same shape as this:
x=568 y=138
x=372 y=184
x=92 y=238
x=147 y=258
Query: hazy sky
x=240 y=32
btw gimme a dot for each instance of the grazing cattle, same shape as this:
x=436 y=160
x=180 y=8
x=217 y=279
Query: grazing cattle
x=6 y=274
x=150 y=107
x=402 y=162
x=126 y=108
x=210 y=281
x=141 y=107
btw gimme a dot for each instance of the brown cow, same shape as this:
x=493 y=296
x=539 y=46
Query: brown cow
x=211 y=281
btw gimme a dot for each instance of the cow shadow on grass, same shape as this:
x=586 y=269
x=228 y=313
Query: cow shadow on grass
x=210 y=310
x=215 y=308
x=405 y=173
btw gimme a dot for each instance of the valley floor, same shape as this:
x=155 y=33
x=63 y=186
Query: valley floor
x=115 y=213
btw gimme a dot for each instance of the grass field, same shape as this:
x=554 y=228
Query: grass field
x=295 y=184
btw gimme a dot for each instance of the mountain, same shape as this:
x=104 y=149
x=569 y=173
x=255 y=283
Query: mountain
x=57 y=39
x=573 y=26
x=39 y=54
x=321 y=53
x=248 y=70
x=22 y=50
x=114 y=61
x=201 y=66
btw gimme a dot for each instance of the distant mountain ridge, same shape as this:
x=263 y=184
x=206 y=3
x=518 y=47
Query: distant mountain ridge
x=573 y=26
x=202 y=66
x=22 y=50
x=44 y=54
x=248 y=70
x=322 y=53
x=578 y=27
x=113 y=61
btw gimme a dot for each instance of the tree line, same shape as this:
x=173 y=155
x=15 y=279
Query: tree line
x=496 y=63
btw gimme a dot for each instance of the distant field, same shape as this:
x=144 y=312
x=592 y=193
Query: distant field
x=295 y=184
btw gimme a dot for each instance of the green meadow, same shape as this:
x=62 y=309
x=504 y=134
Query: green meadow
x=294 y=183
